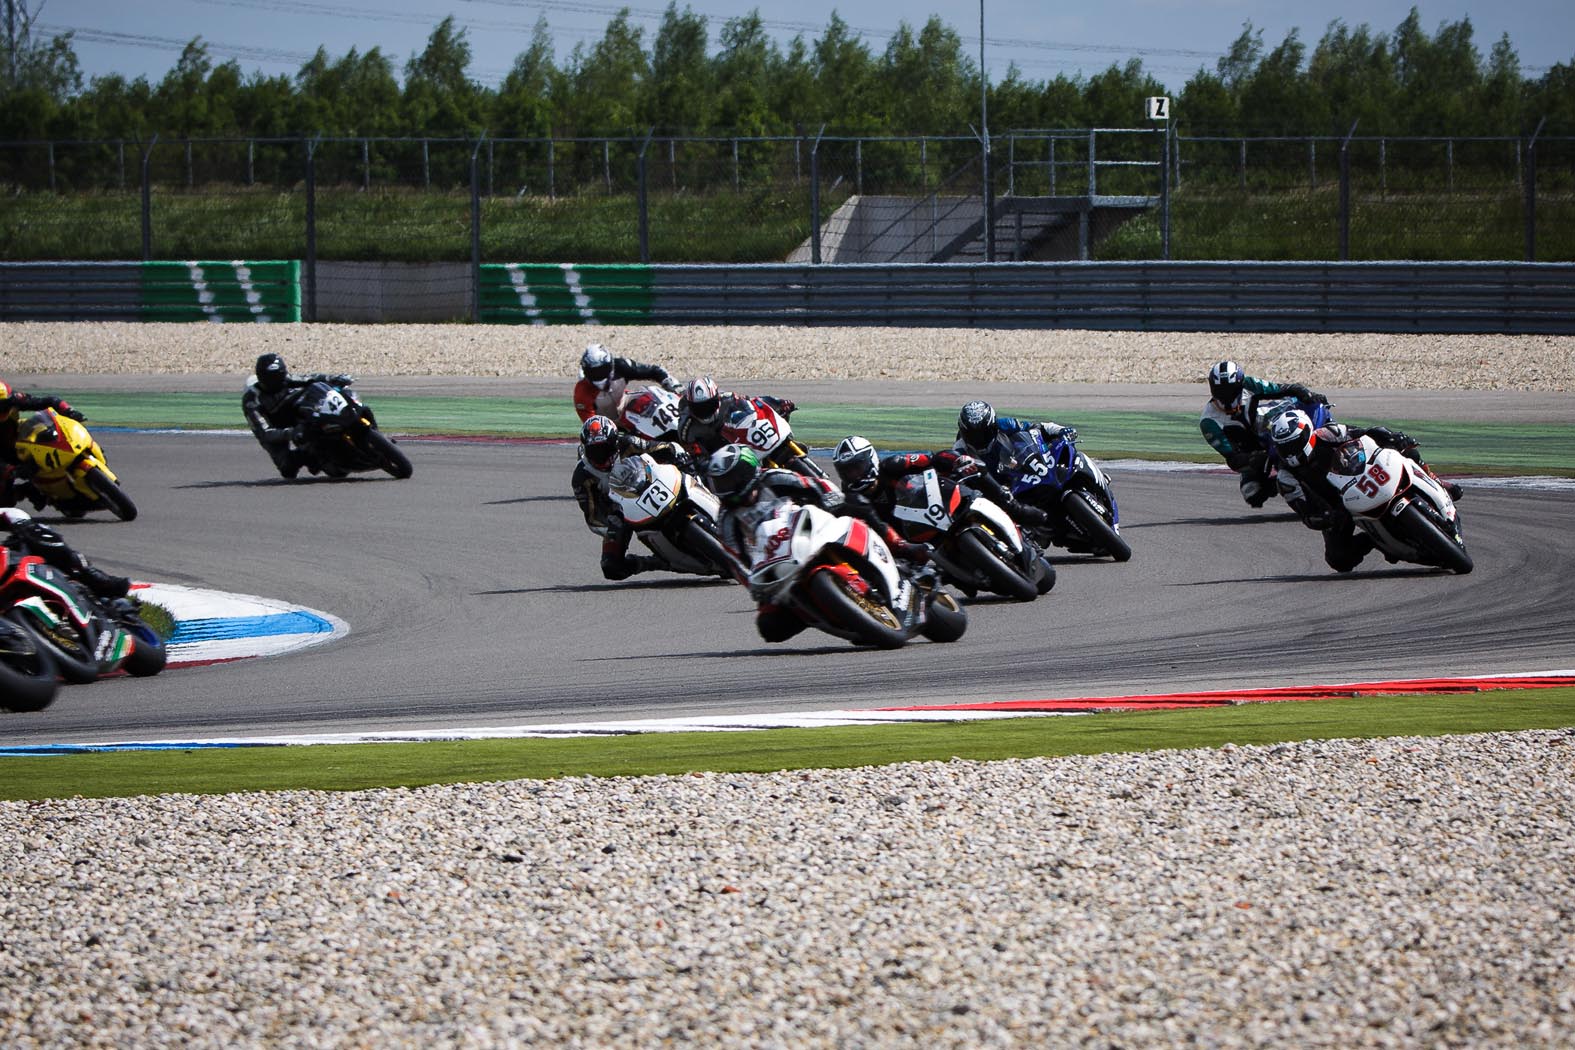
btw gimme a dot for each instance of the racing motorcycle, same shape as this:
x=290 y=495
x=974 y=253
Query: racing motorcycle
x=673 y=514
x=339 y=434
x=839 y=576
x=975 y=543
x=652 y=414
x=1071 y=489
x=1405 y=510
x=754 y=422
x=85 y=636
x=66 y=467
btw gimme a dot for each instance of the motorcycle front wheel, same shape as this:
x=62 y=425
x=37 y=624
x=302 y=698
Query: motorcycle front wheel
x=1092 y=524
x=1004 y=579
x=113 y=496
x=945 y=620
x=872 y=622
x=27 y=672
x=71 y=652
x=1435 y=544
x=388 y=454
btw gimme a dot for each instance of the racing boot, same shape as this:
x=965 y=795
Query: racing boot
x=1023 y=514
x=102 y=583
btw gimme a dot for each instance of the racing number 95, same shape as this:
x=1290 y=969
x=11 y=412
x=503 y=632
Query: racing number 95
x=1373 y=481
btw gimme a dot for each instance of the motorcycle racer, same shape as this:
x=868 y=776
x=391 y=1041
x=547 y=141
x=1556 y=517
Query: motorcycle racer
x=982 y=435
x=749 y=496
x=602 y=447
x=1231 y=433
x=704 y=408
x=869 y=479
x=272 y=404
x=13 y=482
x=605 y=378
x=1309 y=453
x=24 y=534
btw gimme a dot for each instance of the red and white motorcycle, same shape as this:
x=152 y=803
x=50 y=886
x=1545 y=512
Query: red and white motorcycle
x=673 y=514
x=1400 y=505
x=840 y=576
x=754 y=422
x=651 y=413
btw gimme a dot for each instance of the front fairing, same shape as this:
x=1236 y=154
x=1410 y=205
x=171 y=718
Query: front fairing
x=756 y=424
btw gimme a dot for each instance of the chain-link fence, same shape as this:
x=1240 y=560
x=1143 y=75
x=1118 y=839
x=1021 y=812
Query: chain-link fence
x=1053 y=194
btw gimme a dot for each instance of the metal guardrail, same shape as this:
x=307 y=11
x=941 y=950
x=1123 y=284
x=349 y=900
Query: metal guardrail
x=1442 y=297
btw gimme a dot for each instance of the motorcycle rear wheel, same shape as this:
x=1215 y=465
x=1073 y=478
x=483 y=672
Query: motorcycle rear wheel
x=113 y=495
x=1003 y=579
x=1093 y=525
x=27 y=671
x=1437 y=546
x=873 y=623
x=945 y=620
x=388 y=454
x=707 y=546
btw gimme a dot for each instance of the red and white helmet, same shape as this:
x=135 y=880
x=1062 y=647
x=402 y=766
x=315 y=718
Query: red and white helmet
x=703 y=398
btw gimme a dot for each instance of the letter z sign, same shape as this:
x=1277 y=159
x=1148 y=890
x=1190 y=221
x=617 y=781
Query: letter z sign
x=1159 y=108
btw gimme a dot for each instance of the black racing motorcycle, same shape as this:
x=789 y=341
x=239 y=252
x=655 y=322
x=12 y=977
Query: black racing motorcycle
x=339 y=434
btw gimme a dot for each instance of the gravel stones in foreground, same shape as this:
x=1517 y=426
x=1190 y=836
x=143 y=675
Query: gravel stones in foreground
x=1403 y=892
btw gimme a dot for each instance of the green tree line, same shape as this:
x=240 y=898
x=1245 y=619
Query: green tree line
x=683 y=81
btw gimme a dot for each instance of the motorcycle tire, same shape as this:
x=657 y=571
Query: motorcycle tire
x=1044 y=575
x=112 y=495
x=27 y=671
x=702 y=543
x=873 y=623
x=148 y=655
x=945 y=621
x=388 y=454
x=1081 y=513
x=1434 y=543
x=1004 y=579
x=72 y=654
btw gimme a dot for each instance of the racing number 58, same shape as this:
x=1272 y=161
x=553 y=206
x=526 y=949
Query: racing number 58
x=1371 y=483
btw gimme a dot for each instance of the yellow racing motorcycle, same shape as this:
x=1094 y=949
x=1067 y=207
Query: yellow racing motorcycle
x=66 y=467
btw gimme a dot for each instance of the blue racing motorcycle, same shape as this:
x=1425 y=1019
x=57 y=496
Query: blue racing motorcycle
x=1055 y=476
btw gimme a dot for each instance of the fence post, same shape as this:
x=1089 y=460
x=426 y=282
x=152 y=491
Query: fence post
x=1531 y=193
x=1093 y=179
x=366 y=165
x=147 y=199
x=1383 y=167
x=858 y=166
x=989 y=198
x=311 y=229
x=645 y=212
x=672 y=161
x=1241 y=165
x=120 y=148
x=924 y=164
x=1449 y=165
x=475 y=229
x=814 y=196
x=1345 y=192
x=190 y=178
x=51 y=165
x=735 y=165
x=251 y=162
x=1312 y=164
x=1051 y=163
x=607 y=162
x=490 y=183
x=1164 y=192
x=552 y=170
x=1011 y=173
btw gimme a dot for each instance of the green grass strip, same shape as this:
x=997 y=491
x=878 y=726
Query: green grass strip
x=1457 y=447
x=356 y=767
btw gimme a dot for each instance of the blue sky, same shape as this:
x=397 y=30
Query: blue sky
x=1172 y=37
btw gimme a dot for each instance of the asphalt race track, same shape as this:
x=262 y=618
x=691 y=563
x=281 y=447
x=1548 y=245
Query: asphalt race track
x=474 y=598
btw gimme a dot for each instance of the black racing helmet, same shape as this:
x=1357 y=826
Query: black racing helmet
x=271 y=373
x=1225 y=382
x=976 y=424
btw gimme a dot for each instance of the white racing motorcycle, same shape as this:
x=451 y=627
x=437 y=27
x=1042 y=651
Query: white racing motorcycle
x=840 y=576
x=1404 y=509
x=673 y=514
x=974 y=541
x=754 y=422
x=652 y=414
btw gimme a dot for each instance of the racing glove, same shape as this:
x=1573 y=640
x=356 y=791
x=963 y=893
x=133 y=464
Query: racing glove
x=672 y=386
x=832 y=501
x=1069 y=435
x=70 y=413
x=917 y=553
x=787 y=408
